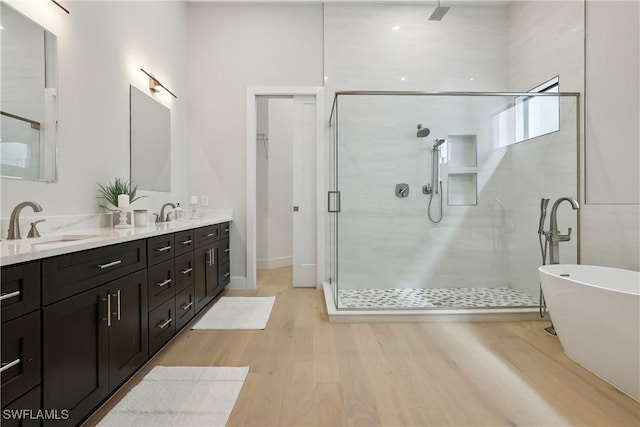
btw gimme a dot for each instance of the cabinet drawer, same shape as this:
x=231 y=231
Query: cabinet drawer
x=71 y=274
x=225 y=249
x=225 y=275
x=185 y=273
x=160 y=249
x=206 y=235
x=20 y=356
x=30 y=401
x=184 y=242
x=185 y=307
x=162 y=283
x=162 y=325
x=225 y=229
x=20 y=290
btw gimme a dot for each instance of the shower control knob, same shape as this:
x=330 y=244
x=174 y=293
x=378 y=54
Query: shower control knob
x=402 y=190
x=426 y=189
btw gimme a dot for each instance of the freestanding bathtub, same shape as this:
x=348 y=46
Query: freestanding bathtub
x=596 y=314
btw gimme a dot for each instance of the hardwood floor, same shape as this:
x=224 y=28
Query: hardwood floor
x=305 y=371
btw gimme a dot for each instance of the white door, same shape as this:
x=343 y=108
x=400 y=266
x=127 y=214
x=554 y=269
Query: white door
x=304 y=192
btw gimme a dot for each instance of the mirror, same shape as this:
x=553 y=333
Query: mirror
x=150 y=142
x=28 y=111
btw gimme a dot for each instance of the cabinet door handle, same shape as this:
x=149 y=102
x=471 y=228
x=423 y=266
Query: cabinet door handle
x=165 y=323
x=226 y=251
x=108 y=319
x=187 y=306
x=211 y=257
x=226 y=230
x=9 y=365
x=187 y=271
x=161 y=284
x=166 y=248
x=211 y=234
x=227 y=274
x=9 y=295
x=186 y=242
x=117 y=294
x=109 y=264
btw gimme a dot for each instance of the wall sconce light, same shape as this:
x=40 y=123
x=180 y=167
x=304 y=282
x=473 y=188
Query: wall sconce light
x=60 y=6
x=155 y=83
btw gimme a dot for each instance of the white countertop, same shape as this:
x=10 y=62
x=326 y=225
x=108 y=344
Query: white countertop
x=17 y=251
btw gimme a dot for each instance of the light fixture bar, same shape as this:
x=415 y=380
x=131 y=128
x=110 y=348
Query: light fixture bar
x=153 y=82
x=61 y=6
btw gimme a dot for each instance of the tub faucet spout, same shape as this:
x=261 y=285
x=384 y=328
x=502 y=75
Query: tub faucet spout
x=553 y=235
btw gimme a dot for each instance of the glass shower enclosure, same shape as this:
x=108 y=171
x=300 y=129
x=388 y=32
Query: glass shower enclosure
x=434 y=199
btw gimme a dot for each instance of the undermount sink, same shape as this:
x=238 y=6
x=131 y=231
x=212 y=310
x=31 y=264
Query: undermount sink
x=56 y=240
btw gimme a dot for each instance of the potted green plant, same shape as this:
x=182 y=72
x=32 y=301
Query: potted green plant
x=111 y=191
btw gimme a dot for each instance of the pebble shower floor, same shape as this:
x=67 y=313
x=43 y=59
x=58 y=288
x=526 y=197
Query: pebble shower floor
x=435 y=298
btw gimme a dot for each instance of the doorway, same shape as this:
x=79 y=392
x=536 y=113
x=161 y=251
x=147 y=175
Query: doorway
x=284 y=194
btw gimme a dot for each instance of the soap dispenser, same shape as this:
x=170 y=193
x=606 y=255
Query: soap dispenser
x=178 y=212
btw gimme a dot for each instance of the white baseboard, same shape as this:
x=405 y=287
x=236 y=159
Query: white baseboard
x=268 y=264
x=237 y=283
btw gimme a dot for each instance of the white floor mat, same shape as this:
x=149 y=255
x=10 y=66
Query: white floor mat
x=237 y=313
x=180 y=396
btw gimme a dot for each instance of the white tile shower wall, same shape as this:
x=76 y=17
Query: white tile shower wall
x=385 y=241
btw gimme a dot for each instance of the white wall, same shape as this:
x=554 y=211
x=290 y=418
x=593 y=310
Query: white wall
x=233 y=46
x=611 y=217
x=101 y=48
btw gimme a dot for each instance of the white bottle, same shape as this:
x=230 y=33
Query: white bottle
x=178 y=212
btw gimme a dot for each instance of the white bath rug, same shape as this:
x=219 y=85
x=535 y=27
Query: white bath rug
x=237 y=313
x=180 y=396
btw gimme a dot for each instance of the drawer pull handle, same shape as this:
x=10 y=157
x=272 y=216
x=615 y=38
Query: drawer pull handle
x=9 y=365
x=226 y=251
x=161 y=284
x=211 y=234
x=226 y=230
x=165 y=323
x=109 y=264
x=187 y=306
x=166 y=248
x=10 y=295
x=227 y=274
x=186 y=242
x=187 y=271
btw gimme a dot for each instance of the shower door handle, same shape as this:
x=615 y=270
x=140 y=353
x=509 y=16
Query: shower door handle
x=333 y=196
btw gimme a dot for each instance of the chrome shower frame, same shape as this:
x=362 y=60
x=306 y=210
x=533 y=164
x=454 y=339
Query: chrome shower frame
x=333 y=188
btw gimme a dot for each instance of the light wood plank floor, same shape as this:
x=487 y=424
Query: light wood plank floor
x=306 y=371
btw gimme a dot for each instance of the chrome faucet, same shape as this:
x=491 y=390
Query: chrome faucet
x=162 y=217
x=553 y=235
x=14 y=220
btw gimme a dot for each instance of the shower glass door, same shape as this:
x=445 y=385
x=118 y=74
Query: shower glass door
x=390 y=253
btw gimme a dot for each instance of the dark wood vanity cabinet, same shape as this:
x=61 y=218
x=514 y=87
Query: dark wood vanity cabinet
x=93 y=342
x=20 y=350
x=211 y=263
x=76 y=326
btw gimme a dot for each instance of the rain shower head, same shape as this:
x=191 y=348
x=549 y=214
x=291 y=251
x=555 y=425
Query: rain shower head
x=438 y=13
x=438 y=143
x=422 y=132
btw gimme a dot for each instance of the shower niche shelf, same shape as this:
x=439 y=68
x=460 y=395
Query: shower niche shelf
x=462 y=179
x=463 y=151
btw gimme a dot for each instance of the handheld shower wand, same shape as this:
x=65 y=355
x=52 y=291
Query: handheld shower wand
x=435 y=178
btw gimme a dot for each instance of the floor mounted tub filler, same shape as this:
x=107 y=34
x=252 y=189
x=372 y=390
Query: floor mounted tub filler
x=596 y=314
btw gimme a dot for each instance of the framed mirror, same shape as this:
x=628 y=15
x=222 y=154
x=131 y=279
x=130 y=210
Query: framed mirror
x=150 y=142
x=28 y=93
